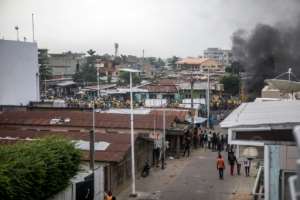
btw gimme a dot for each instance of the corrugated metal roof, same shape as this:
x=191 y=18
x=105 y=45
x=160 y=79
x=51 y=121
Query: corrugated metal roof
x=157 y=88
x=84 y=119
x=115 y=152
x=264 y=113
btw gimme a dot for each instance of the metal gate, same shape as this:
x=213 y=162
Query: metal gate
x=85 y=189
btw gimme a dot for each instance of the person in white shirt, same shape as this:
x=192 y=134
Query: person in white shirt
x=247 y=166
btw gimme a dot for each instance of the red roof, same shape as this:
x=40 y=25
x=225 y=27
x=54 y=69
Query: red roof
x=158 y=88
x=118 y=148
x=84 y=119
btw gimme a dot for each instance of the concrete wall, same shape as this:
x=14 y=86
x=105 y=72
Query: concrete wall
x=18 y=69
x=65 y=64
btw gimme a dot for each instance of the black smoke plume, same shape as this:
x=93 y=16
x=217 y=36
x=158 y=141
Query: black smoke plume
x=267 y=52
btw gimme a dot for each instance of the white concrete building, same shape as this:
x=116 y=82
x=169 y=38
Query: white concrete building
x=19 y=69
x=221 y=55
x=267 y=124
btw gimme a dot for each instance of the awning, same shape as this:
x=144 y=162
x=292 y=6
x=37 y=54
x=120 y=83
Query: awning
x=197 y=120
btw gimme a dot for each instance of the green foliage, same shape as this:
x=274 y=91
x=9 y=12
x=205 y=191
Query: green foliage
x=172 y=61
x=91 y=52
x=37 y=170
x=45 y=72
x=124 y=78
x=231 y=84
x=234 y=68
x=87 y=74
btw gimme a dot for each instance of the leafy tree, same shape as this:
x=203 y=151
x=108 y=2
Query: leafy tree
x=124 y=78
x=91 y=52
x=44 y=69
x=45 y=72
x=235 y=68
x=151 y=60
x=88 y=73
x=160 y=62
x=231 y=84
x=38 y=169
x=172 y=61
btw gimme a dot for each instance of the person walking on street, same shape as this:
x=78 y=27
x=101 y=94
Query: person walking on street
x=238 y=165
x=205 y=140
x=220 y=166
x=247 y=166
x=232 y=161
x=195 y=138
x=187 y=145
x=214 y=141
x=209 y=138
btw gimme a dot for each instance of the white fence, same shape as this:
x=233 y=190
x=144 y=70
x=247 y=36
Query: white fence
x=70 y=192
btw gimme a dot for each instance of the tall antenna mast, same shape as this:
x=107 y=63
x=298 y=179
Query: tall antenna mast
x=290 y=72
x=32 y=20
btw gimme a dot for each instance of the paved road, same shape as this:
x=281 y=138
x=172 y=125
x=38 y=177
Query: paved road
x=193 y=178
x=199 y=180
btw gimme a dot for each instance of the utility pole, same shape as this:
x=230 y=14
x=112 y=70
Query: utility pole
x=163 y=141
x=192 y=96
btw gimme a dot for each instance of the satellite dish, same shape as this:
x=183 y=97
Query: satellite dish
x=286 y=86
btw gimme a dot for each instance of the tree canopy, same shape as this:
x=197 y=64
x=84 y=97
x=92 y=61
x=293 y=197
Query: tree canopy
x=124 y=78
x=88 y=73
x=172 y=61
x=231 y=84
x=37 y=170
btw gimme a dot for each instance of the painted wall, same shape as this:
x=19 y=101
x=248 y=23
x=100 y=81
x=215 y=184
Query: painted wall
x=18 y=72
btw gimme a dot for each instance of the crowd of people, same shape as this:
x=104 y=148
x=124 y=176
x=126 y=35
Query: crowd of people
x=204 y=138
x=209 y=139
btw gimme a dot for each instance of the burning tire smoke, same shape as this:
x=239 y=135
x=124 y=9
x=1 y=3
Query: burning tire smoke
x=267 y=51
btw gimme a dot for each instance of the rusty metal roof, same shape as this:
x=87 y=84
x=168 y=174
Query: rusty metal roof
x=84 y=119
x=116 y=151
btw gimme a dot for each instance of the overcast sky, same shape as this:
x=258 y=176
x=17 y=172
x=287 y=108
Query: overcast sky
x=161 y=27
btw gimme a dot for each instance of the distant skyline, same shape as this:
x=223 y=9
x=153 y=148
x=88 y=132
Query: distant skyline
x=162 y=27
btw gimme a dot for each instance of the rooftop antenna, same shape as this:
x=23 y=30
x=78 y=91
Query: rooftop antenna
x=17 y=29
x=32 y=20
x=290 y=72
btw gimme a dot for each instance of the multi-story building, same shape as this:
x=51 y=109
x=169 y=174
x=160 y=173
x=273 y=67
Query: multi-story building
x=201 y=65
x=65 y=64
x=19 y=75
x=221 y=55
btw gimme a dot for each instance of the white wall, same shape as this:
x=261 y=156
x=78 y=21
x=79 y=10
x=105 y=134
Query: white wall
x=18 y=68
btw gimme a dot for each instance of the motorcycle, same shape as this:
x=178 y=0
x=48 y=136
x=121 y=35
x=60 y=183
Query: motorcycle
x=146 y=170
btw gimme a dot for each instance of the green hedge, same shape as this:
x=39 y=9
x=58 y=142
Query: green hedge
x=38 y=169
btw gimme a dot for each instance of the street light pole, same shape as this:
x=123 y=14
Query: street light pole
x=208 y=98
x=17 y=29
x=130 y=71
x=98 y=83
x=132 y=138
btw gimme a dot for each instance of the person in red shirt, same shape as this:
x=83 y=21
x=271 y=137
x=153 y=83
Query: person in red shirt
x=220 y=166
